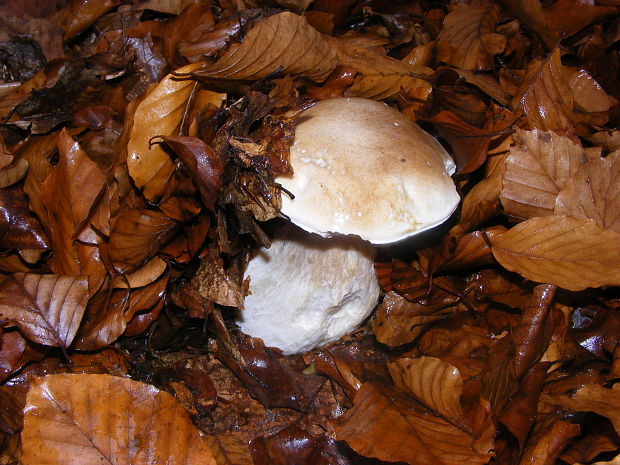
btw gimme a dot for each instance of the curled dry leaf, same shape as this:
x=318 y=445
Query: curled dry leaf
x=468 y=39
x=159 y=114
x=571 y=253
x=435 y=383
x=539 y=166
x=93 y=419
x=80 y=14
x=594 y=192
x=284 y=43
x=143 y=276
x=381 y=76
x=47 y=309
x=386 y=426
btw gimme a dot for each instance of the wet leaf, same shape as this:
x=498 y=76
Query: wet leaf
x=203 y=164
x=469 y=39
x=283 y=43
x=159 y=114
x=87 y=419
x=386 y=426
x=18 y=228
x=435 y=383
x=570 y=253
x=149 y=273
x=548 y=439
x=594 y=192
x=539 y=166
x=12 y=346
x=48 y=309
x=11 y=174
x=80 y=14
x=229 y=450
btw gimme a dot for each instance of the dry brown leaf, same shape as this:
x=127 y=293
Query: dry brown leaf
x=591 y=398
x=571 y=253
x=399 y=321
x=380 y=76
x=80 y=14
x=435 y=383
x=284 y=44
x=589 y=96
x=229 y=449
x=137 y=235
x=539 y=166
x=549 y=437
x=92 y=419
x=385 y=426
x=145 y=275
x=159 y=114
x=468 y=39
x=11 y=174
x=47 y=309
x=545 y=95
x=594 y=192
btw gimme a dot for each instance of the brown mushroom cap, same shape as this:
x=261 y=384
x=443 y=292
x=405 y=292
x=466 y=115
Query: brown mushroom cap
x=363 y=168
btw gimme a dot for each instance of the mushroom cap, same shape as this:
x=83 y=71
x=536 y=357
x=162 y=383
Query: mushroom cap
x=307 y=291
x=361 y=167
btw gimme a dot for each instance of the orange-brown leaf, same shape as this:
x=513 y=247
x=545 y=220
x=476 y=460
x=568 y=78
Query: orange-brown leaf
x=282 y=43
x=539 y=166
x=594 y=192
x=435 y=383
x=159 y=114
x=48 y=309
x=384 y=425
x=571 y=253
x=468 y=39
x=92 y=419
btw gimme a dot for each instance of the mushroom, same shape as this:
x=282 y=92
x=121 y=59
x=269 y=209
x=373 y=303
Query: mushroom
x=363 y=174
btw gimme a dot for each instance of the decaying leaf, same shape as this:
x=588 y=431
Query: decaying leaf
x=283 y=43
x=48 y=309
x=571 y=253
x=159 y=114
x=66 y=414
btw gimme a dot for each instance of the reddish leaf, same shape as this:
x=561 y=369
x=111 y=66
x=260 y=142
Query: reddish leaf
x=18 y=228
x=203 y=164
x=47 y=308
x=469 y=144
x=12 y=346
x=547 y=441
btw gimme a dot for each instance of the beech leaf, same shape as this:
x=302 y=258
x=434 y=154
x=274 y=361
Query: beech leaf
x=435 y=383
x=468 y=39
x=89 y=419
x=11 y=174
x=539 y=166
x=381 y=76
x=571 y=253
x=47 y=309
x=387 y=427
x=283 y=43
x=159 y=114
x=594 y=192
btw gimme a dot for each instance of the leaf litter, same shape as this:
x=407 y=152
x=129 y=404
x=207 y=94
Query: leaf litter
x=139 y=146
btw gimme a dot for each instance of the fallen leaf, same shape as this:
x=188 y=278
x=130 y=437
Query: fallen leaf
x=80 y=14
x=159 y=114
x=12 y=346
x=469 y=39
x=143 y=276
x=435 y=383
x=386 y=426
x=549 y=437
x=282 y=43
x=11 y=174
x=594 y=192
x=399 y=321
x=571 y=253
x=90 y=419
x=18 y=228
x=229 y=450
x=539 y=166
x=48 y=309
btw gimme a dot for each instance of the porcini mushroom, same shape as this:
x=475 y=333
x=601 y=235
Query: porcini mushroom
x=361 y=170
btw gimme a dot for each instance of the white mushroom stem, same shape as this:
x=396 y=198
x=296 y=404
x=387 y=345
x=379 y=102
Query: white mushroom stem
x=307 y=291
